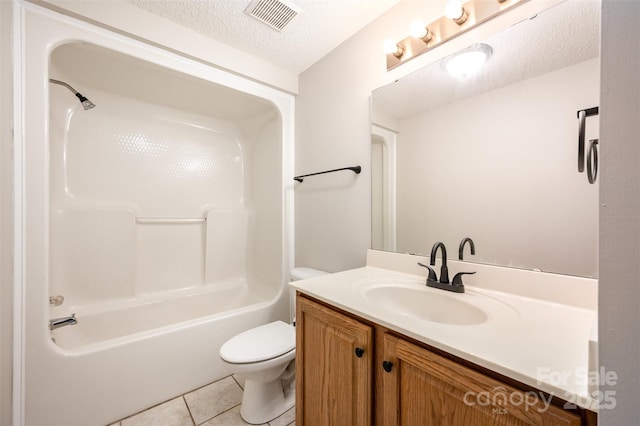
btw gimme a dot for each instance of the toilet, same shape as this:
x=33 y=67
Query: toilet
x=264 y=356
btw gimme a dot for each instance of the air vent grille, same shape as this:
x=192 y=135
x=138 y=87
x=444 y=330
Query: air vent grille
x=275 y=13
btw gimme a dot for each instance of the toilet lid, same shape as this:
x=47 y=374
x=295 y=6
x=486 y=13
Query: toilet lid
x=260 y=343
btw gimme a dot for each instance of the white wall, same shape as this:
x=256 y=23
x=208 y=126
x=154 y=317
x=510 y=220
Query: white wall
x=6 y=211
x=333 y=224
x=619 y=286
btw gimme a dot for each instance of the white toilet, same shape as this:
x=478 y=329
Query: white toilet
x=264 y=356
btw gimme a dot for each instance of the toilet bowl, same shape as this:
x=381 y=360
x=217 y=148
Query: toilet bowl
x=264 y=356
x=261 y=356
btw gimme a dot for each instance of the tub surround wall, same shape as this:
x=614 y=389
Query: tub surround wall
x=142 y=274
x=150 y=199
x=168 y=199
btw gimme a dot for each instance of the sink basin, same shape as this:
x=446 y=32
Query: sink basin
x=426 y=304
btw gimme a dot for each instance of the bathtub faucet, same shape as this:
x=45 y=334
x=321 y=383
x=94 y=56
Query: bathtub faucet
x=61 y=322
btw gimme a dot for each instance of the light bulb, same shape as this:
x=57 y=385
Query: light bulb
x=418 y=29
x=390 y=47
x=454 y=9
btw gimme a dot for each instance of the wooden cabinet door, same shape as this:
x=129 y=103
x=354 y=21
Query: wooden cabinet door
x=333 y=367
x=423 y=388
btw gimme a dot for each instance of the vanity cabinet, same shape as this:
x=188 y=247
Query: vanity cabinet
x=352 y=372
x=333 y=367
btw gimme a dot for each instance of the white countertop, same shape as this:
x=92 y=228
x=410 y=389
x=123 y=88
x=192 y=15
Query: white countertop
x=541 y=343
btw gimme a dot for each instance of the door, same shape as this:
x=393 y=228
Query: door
x=420 y=387
x=333 y=367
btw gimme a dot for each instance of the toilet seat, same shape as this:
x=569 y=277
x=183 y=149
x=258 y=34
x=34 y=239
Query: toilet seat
x=260 y=344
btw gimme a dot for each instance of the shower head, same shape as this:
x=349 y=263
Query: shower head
x=86 y=103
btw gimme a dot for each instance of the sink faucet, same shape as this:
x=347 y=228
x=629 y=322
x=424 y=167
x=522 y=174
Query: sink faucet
x=444 y=271
x=456 y=285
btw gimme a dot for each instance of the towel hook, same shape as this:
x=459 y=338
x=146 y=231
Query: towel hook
x=592 y=161
x=581 y=124
x=592 y=155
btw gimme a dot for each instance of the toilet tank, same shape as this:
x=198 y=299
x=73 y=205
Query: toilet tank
x=303 y=273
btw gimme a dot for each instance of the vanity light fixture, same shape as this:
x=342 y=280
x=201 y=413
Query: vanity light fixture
x=423 y=38
x=467 y=62
x=456 y=12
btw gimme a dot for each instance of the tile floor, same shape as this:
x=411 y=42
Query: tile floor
x=216 y=404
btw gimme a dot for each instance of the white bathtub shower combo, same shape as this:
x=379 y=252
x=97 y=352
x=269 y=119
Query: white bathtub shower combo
x=160 y=219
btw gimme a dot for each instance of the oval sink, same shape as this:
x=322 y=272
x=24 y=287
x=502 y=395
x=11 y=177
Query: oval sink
x=426 y=304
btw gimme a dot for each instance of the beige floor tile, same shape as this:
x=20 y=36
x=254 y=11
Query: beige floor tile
x=287 y=418
x=211 y=400
x=228 y=418
x=170 y=413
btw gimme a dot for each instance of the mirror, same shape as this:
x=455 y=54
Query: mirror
x=493 y=156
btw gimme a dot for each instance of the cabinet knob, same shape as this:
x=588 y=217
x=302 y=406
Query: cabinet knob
x=387 y=365
x=359 y=352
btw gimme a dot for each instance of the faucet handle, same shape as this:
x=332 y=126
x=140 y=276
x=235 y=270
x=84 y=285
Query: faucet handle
x=457 y=278
x=432 y=273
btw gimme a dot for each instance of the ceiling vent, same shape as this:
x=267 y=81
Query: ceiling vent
x=275 y=13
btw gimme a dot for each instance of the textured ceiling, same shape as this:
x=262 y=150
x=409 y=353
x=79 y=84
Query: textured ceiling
x=559 y=37
x=320 y=26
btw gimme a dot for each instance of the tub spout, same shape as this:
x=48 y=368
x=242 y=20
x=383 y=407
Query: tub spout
x=61 y=322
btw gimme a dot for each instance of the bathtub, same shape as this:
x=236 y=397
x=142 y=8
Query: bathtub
x=162 y=218
x=126 y=321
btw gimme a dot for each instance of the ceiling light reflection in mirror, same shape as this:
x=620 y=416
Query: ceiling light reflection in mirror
x=469 y=61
